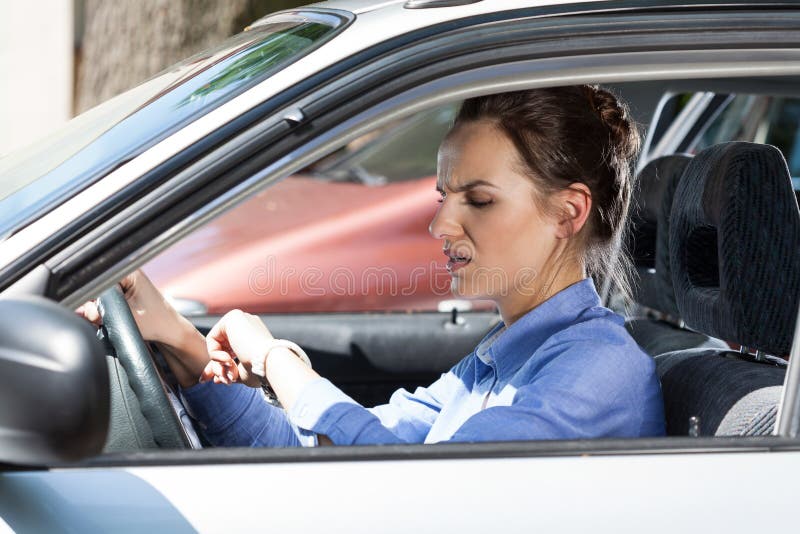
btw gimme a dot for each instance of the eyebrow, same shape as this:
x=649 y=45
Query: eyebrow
x=467 y=186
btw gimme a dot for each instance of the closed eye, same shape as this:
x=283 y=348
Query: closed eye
x=478 y=203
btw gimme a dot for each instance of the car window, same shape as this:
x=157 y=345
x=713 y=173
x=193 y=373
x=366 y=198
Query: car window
x=669 y=109
x=782 y=129
x=347 y=234
x=733 y=123
x=774 y=120
x=99 y=140
x=404 y=151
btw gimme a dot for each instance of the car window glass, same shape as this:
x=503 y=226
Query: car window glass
x=733 y=123
x=404 y=151
x=781 y=130
x=327 y=239
x=759 y=119
x=670 y=109
x=99 y=140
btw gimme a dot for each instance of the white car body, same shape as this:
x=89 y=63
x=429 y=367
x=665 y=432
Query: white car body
x=666 y=485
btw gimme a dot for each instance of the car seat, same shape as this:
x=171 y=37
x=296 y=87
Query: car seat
x=735 y=261
x=656 y=324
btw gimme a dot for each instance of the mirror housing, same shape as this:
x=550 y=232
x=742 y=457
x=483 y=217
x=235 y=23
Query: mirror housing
x=54 y=398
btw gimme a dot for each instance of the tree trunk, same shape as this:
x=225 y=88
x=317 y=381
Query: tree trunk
x=127 y=41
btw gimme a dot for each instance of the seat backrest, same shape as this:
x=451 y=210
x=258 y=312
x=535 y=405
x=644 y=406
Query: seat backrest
x=655 y=187
x=735 y=263
x=648 y=242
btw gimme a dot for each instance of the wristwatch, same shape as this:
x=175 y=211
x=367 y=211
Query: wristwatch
x=259 y=366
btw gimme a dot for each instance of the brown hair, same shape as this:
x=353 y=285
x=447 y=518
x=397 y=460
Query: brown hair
x=573 y=134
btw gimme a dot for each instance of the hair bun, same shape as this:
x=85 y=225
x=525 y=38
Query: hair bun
x=616 y=116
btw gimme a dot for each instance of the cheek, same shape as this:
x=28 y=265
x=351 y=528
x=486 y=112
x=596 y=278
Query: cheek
x=519 y=239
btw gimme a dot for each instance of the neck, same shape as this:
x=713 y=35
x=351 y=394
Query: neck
x=517 y=303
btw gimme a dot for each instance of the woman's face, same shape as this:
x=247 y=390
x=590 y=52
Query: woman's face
x=499 y=244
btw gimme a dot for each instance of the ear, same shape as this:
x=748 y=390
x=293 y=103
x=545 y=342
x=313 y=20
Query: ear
x=576 y=203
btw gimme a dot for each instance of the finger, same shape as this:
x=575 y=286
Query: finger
x=207 y=374
x=128 y=283
x=232 y=373
x=213 y=344
x=88 y=310
x=217 y=337
x=222 y=371
x=214 y=369
x=221 y=356
x=227 y=371
x=249 y=331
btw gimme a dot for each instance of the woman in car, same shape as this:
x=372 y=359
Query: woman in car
x=535 y=187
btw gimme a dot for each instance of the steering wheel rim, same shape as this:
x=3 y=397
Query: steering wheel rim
x=134 y=356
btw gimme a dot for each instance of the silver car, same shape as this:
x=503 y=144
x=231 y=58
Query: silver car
x=92 y=435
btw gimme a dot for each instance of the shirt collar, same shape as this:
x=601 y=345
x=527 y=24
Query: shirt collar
x=511 y=346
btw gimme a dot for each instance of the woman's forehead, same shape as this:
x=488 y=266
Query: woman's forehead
x=474 y=154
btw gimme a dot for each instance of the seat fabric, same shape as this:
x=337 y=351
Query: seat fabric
x=717 y=386
x=735 y=242
x=753 y=415
x=648 y=241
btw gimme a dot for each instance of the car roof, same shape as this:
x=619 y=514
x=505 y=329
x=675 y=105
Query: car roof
x=396 y=7
x=357 y=6
x=475 y=7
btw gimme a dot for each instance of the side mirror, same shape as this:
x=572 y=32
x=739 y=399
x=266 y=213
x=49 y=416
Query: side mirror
x=54 y=388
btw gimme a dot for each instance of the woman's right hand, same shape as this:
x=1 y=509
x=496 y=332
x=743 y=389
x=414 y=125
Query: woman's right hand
x=156 y=318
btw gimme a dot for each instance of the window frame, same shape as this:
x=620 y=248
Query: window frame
x=85 y=267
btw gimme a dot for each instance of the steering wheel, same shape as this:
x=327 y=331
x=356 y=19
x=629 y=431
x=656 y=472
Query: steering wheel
x=145 y=382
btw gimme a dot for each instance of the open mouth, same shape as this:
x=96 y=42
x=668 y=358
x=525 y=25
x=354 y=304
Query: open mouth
x=455 y=261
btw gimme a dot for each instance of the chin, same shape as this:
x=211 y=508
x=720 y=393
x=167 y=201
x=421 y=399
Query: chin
x=458 y=290
x=463 y=291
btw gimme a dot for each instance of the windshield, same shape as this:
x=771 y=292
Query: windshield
x=91 y=145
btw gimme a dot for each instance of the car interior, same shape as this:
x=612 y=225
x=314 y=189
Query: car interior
x=714 y=233
x=714 y=240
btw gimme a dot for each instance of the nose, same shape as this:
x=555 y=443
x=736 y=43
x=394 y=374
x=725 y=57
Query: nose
x=444 y=225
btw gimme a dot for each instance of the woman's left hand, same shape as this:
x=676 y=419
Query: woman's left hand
x=238 y=335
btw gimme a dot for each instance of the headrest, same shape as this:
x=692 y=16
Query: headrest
x=735 y=246
x=647 y=239
x=672 y=177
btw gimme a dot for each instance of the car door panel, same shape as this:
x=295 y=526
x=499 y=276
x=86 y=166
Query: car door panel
x=575 y=493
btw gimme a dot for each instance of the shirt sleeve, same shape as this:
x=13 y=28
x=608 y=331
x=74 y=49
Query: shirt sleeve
x=324 y=409
x=239 y=416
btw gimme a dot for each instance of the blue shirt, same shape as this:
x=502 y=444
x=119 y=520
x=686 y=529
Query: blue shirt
x=567 y=369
